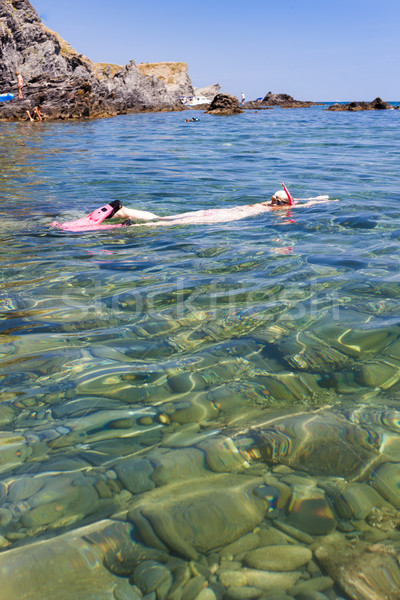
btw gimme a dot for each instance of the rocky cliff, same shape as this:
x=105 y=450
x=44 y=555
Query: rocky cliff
x=174 y=75
x=65 y=83
x=209 y=92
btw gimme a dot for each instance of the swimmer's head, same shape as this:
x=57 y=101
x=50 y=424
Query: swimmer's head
x=280 y=198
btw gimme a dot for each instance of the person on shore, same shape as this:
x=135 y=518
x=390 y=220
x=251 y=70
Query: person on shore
x=20 y=83
x=36 y=115
x=243 y=98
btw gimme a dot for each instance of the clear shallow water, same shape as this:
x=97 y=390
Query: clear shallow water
x=142 y=367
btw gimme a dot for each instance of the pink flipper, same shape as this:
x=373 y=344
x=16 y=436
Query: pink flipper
x=91 y=221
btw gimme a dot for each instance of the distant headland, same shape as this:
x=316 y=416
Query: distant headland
x=64 y=84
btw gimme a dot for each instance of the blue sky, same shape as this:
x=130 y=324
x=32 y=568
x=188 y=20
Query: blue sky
x=337 y=50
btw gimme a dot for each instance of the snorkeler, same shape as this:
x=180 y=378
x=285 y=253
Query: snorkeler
x=95 y=220
x=280 y=199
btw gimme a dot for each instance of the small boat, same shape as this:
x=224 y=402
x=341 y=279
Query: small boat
x=6 y=97
x=193 y=100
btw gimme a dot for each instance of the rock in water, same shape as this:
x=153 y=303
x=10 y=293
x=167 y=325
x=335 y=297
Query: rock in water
x=362 y=571
x=377 y=104
x=65 y=83
x=285 y=101
x=224 y=104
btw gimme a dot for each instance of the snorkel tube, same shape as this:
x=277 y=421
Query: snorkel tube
x=288 y=194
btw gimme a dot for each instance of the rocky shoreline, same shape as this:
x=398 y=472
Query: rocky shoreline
x=377 y=104
x=68 y=85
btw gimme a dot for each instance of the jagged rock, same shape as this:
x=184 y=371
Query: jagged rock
x=174 y=76
x=208 y=92
x=65 y=83
x=377 y=104
x=285 y=101
x=224 y=104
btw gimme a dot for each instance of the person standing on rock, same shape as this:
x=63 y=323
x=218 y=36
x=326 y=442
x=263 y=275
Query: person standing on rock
x=20 y=83
x=243 y=98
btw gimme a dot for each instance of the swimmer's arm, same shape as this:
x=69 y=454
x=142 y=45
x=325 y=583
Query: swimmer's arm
x=312 y=201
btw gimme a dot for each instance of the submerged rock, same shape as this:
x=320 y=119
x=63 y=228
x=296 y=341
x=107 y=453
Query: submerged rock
x=69 y=567
x=361 y=570
x=278 y=558
x=199 y=515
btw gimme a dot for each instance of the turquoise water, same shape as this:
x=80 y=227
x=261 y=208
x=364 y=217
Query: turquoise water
x=138 y=365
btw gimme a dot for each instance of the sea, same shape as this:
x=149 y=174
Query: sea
x=210 y=411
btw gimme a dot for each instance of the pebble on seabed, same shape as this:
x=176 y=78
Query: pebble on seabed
x=278 y=558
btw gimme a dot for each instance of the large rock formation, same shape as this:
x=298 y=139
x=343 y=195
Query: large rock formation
x=208 y=92
x=65 y=83
x=377 y=104
x=174 y=76
x=285 y=101
x=224 y=104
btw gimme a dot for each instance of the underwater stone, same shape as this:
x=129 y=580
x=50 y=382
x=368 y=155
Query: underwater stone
x=184 y=436
x=103 y=490
x=198 y=516
x=206 y=594
x=248 y=542
x=193 y=587
x=242 y=593
x=21 y=489
x=152 y=576
x=185 y=382
x=271 y=581
x=6 y=415
x=43 y=515
x=3 y=492
x=181 y=575
x=362 y=571
x=232 y=578
x=361 y=499
x=125 y=591
x=129 y=555
x=178 y=464
x=278 y=558
x=315 y=584
x=377 y=374
x=135 y=474
x=221 y=454
x=386 y=479
x=195 y=410
x=284 y=492
x=5 y=517
x=66 y=567
x=13 y=450
x=309 y=441
x=269 y=536
x=311 y=513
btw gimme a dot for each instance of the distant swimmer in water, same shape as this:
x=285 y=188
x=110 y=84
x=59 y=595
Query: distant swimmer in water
x=279 y=200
